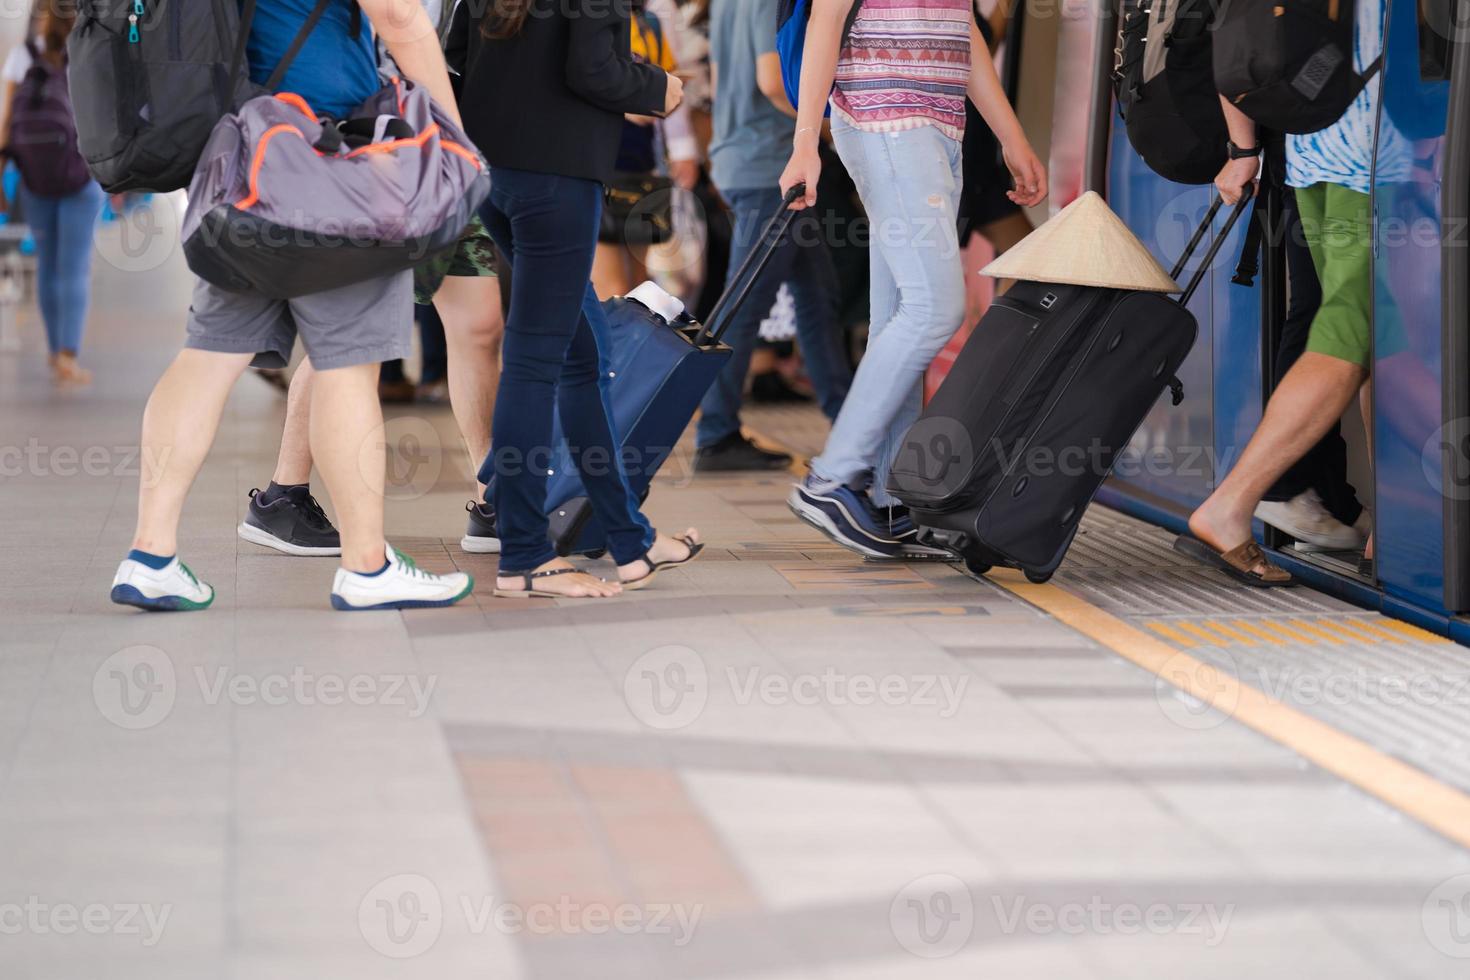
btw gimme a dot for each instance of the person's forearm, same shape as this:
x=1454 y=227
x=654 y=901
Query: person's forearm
x=1242 y=128
x=989 y=97
x=819 y=66
x=411 y=39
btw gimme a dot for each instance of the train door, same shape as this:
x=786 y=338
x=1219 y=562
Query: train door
x=1421 y=404
x=1180 y=451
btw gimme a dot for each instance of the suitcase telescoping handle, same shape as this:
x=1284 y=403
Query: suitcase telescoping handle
x=1215 y=245
x=737 y=290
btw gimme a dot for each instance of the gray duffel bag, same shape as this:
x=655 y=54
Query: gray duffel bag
x=285 y=203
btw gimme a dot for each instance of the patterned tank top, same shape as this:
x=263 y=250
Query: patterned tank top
x=906 y=64
x=1343 y=152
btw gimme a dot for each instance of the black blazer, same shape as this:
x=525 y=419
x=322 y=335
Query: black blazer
x=552 y=98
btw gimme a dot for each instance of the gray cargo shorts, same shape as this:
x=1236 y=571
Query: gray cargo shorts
x=361 y=324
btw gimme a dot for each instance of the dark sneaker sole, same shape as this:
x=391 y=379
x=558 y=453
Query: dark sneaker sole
x=720 y=463
x=128 y=595
x=259 y=535
x=815 y=513
x=342 y=605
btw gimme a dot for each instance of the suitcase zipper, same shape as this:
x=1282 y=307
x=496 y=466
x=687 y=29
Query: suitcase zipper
x=138 y=11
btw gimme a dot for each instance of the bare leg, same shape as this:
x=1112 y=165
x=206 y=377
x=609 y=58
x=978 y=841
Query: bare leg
x=473 y=331
x=1312 y=396
x=293 y=464
x=637 y=267
x=610 y=270
x=347 y=441
x=179 y=426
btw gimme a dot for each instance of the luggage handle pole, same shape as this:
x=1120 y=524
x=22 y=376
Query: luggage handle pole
x=750 y=270
x=1216 y=244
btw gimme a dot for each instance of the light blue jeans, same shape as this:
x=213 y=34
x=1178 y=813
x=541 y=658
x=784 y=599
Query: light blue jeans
x=910 y=183
x=63 y=228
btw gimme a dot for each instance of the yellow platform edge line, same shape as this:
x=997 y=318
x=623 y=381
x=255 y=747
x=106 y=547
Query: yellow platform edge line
x=1359 y=631
x=1269 y=637
x=1411 y=631
x=1205 y=635
x=1326 y=636
x=1173 y=634
x=1411 y=791
x=1239 y=637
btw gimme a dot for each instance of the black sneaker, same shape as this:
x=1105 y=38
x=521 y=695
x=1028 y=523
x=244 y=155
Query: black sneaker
x=481 y=537
x=293 y=524
x=735 y=454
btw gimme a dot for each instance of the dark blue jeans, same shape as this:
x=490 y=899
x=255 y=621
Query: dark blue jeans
x=547 y=228
x=805 y=265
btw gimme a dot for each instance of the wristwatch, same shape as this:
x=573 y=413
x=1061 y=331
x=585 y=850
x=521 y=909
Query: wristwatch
x=1237 y=153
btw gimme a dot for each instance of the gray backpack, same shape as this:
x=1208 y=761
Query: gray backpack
x=285 y=203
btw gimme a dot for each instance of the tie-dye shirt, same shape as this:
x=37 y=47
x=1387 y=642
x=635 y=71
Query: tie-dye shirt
x=906 y=64
x=1343 y=152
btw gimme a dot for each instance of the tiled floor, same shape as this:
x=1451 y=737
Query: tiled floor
x=779 y=764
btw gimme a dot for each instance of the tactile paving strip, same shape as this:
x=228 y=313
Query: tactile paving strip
x=1396 y=687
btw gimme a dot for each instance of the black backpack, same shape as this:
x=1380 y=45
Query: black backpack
x=1165 y=86
x=151 y=78
x=1288 y=64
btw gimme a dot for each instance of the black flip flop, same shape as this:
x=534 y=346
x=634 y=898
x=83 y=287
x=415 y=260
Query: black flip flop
x=1237 y=562
x=695 y=547
x=531 y=592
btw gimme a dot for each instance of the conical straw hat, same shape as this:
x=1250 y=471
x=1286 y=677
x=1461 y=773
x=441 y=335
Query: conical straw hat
x=1084 y=244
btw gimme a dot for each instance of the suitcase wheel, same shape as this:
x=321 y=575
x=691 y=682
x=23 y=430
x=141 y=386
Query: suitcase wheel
x=1039 y=578
x=976 y=566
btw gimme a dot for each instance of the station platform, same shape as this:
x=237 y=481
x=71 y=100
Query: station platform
x=781 y=763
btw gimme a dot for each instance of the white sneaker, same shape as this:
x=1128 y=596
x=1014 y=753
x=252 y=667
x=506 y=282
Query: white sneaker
x=1304 y=518
x=172 y=588
x=402 y=585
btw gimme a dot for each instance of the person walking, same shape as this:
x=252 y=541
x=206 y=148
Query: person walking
x=347 y=333
x=754 y=123
x=545 y=93
x=1331 y=173
x=897 y=89
x=59 y=200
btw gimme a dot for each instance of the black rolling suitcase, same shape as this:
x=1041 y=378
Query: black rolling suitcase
x=1049 y=389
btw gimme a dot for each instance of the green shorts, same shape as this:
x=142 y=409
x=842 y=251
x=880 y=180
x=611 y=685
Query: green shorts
x=472 y=258
x=1338 y=225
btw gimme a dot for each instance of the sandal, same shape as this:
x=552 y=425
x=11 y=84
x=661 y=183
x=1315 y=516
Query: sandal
x=1237 y=562
x=531 y=592
x=695 y=547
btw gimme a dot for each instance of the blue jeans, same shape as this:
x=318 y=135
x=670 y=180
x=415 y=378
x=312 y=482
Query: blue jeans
x=547 y=228
x=910 y=183
x=805 y=265
x=63 y=228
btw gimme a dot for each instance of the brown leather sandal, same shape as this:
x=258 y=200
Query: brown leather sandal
x=1239 y=563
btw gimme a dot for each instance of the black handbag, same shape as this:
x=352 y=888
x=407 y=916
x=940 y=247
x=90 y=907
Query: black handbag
x=637 y=209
